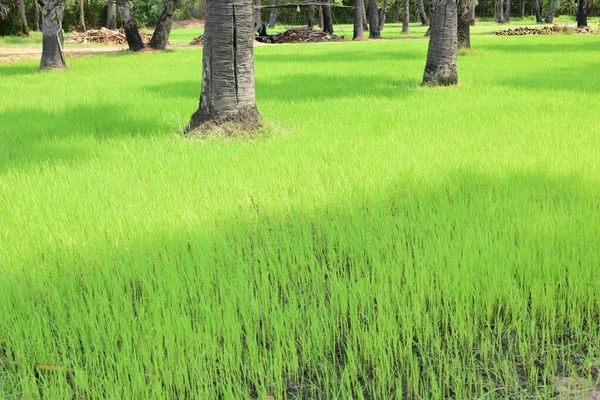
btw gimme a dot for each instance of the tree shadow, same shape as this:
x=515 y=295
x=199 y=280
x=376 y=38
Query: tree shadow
x=548 y=47
x=19 y=69
x=581 y=78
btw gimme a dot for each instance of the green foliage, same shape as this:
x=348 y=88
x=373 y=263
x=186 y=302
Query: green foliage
x=384 y=243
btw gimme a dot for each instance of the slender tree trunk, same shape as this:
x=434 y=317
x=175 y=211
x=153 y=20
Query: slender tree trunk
x=311 y=17
x=365 y=19
x=36 y=16
x=373 y=20
x=406 y=18
x=81 y=15
x=472 y=8
x=274 y=14
x=382 y=15
x=538 y=12
x=500 y=12
x=522 y=9
x=134 y=40
x=550 y=15
x=464 y=24
x=358 y=20
x=581 y=14
x=321 y=22
x=327 y=17
x=228 y=94
x=160 y=37
x=24 y=26
x=441 y=68
x=422 y=13
x=257 y=15
x=507 y=13
x=52 y=35
x=111 y=15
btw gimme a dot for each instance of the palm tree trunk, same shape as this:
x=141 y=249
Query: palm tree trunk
x=464 y=24
x=160 y=37
x=228 y=94
x=52 y=35
x=111 y=15
x=472 y=5
x=500 y=12
x=36 y=16
x=327 y=17
x=257 y=15
x=581 y=14
x=24 y=26
x=373 y=20
x=382 y=15
x=422 y=13
x=441 y=67
x=274 y=14
x=507 y=13
x=358 y=20
x=132 y=34
x=81 y=15
x=321 y=23
x=406 y=18
x=538 y=12
x=365 y=19
x=550 y=15
x=522 y=9
x=311 y=17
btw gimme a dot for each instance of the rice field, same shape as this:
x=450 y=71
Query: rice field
x=376 y=240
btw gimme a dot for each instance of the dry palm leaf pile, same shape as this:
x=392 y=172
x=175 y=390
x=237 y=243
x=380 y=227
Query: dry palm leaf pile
x=304 y=35
x=104 y=36
x=546 y=30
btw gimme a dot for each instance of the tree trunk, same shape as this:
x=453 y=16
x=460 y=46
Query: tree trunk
x=327 y=17
x=273 y=15
x=472 y=8
x=358 y=20
x=581 y=14
x=81 y=15
x=373 y=20
x=522 y=9
x=111 y=15
x=464 y=24
x=24 y=26
x=52 y=36
x=365 y=19
x=382 y=15
x=36 y=16
x=321 y=23
x=134 y=40
x=507 y=13
x=160 y=37
x=311 y=17
x=500 y=12
x=538 y=12
x=441 y=68
x=228 y=94
x=406 y=18
x=550 y=15
x=422 y=13
x=257 y=15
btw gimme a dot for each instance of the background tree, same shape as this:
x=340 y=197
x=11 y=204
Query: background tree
x=52 y=35
x=23 y=16
x=441 y=67
x=132 y=34
x=422 y=13
x=581 y=13
x=406 y=17
x=228 y=94
x=3 y=11
x=327 y=17
x=382 y=15
x=162 y=31
x=538 y=12
x=111 y=15
x=374 y=20
x=36 y=16
x=464 y=24
x=273 y=14
x=359 y=6
x=550 y=16
x=500 y=12
x=82 y=15
x=507 y=13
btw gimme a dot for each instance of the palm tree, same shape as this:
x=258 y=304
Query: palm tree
x=538 y=12
x=82 y=15
x=359 y=5
x=111 y=15
x=274 y=14
x=228 y=94
x=132 y=34
x=52 y=35
x=507 y=13
x=327 y=17
x=464 y=24
x=406 y=18
x=581 y=14
x=550 y=15
x=374 y=32
x=160 y=37
x=441 y=67
x=23 y=16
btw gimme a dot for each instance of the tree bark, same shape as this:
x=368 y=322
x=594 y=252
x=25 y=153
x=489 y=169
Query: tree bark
x=507 y=13
x=81 y=15
x=311 y=17
x=538 y=12
x=257 y=15
x=373 y=20
x=321 y=23
x=36 y=16
x=132 y=34
x=472 y=8
x=52 y=36
x=111 y=15
x=441 y=68
x=228 y=94
x=581 y=14
x=273 y=15
x=327 y=17
x=365 y=19
x=160 y=37
x=500 y=12
x=550 y=15
x=358 y=20
x=464 y=24
x=522 y=9
x=24 y=26
x=423 y=13
x=382 y=15
x=406 y=18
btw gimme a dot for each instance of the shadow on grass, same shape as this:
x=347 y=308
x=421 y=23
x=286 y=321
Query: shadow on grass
x=550 y=47
x=580 y=78
x=400 y=281
x=20 y=69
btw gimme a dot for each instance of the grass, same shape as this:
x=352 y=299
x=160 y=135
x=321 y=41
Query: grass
x=383 y=241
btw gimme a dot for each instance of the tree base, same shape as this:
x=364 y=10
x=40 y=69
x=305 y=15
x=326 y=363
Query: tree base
x=444 y=76
x=245 y=120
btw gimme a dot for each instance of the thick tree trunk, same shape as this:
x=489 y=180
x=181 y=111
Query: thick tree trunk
x=550 y=15
x=82 y=15
x=111 y=15
x=464 y=24
x=321 y=22
x=406 y=18
x=382 y=15
x=273 y=15
x=228 y=94
x=441 y=68
x=327 y=17
x=507 y=13
x=422 y=13
x=36 y=16
x=134 y=40
x=500 y=12
x=160 y=37
x=24 y=26
x=538 y=12
x=52 y=40
x=358 y=20
x=373 y=20
x=311 y=17
x=581 y=14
